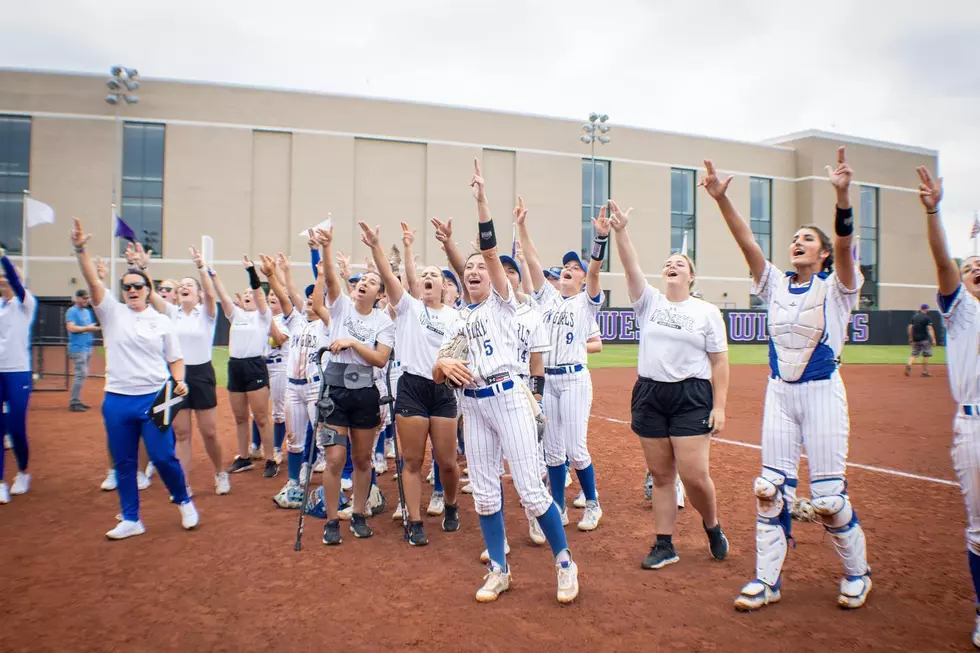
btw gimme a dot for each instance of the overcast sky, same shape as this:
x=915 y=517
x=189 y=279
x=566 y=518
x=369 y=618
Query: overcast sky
x=893 y=70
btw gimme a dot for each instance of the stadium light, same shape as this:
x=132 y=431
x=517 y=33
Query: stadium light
x=121 y=85
x=597 y=123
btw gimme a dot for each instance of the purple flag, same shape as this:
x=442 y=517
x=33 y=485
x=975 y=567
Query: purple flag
x=123 y=230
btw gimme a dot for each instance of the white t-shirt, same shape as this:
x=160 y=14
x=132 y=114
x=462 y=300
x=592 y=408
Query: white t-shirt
x=676 y=337
x=570 y=321
x=961 y=313
x=491 y=331
x=138 y=347
x=195 y=330
x=271 y=350
x=532 y=336
x=420 y=331
x=15 y=333
x=305 y=339
x=249 y=333
x=347 y=324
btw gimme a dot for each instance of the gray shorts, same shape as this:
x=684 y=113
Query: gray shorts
x=922 y=348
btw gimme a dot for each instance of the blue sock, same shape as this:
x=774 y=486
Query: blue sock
x=309 y=436
x=493 y=536
x=294 y=461
x=348 y=464
x=374 y=477
x=256 y=436
x=436 y=478
x=556 y=479
x=550 y=523
x=975 y=571
x=586 y=478
x=380 y=447
x=278 y=434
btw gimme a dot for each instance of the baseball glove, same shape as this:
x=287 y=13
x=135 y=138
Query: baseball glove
x=458 y=348
x=803 y=511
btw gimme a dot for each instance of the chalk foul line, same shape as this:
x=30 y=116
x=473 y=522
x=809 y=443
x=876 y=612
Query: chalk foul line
x=869 y=468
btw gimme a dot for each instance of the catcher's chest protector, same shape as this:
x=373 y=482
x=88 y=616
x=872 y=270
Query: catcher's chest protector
x=797 y=325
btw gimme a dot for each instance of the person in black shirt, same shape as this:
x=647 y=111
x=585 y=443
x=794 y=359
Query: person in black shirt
x=922 y=337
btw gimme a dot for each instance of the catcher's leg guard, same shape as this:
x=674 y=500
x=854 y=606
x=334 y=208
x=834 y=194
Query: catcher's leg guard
x=772 y=532
x=833 y=507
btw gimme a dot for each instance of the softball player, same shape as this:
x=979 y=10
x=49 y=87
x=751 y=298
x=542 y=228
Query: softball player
x=806 y=404
x=17 y=307
x=570 y=316
x=499 y=417
x=142 y=353
x=679 y=398
x=959 y=290
x=362 y=337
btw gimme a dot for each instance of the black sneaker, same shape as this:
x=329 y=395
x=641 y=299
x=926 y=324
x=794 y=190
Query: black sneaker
x=717 y=542
x=271 y=469
x=661 y=555
x=450 y=520
x=77 y=408
x=416 y=534
x=240 y=465
x=359 y=527
x=331 y=533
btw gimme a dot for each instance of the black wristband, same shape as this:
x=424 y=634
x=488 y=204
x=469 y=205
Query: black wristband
x=253 y=278
x=537 y=385
x=932 y=212
x=488 y=236
x=599 y=248
x=844 y=222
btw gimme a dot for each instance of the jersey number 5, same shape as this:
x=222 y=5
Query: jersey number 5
x=487 y=348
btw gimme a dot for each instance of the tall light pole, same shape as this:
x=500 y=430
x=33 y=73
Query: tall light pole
x=597 y=123
x=121 y=85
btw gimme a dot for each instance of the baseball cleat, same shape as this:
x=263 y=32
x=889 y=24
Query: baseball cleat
x=109 y=484
x=142 y=481
x=534 y=529
x=437 y=504
x=416 y=534
x=756 y=595
x=485 y=556
x=271 y=469
x=591 y=517
x=359 y=526
x=255 y=453
x=397 y=515
x=240 y=464
x=450 y=522
x=4 y=493
x=188 y=515
x=380 y=464
x=22 y=483
x=467 y=489
x=567 y=580
x=290 y=497
x=331 y=533
x=126 y=529
x=495 y=583
x=717 y=542
x=854 y=591
x=661 y=554
x=222 y=484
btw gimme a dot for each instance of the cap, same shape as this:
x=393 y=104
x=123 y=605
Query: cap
x=81 y=292
x=355 y=278
x=309 y=289
x=446 y=272
x=553 y=273
x=573 y=256
x=925 y=307
x=507 y=260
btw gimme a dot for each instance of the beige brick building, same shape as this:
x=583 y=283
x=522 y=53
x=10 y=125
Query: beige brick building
x=253 y=167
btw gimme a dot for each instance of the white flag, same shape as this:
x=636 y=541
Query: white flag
x=325 y=225
x=207 y=250
x=684 y=244
x=37 y=212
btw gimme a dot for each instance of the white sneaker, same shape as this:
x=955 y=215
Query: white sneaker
x=564 y=516
x=22 y=483
x=290 y=497
x=346 y=484
x=126 y=529
x=430 y=479
x=485 y=556
x=7 y=442
x=320 y=464
x=380 y=464
x=568 y=477
x=437 y=504
x=495 y=583
x=567 y=581
x=255 y=453
x=756 y=595
x=188 y=515
x=109 y=484
x=534 y=530
x=277 y=455
x=467 y=489
x=580 y=499
x=222 y=484
x=680 y=493
x=4 y=493
x=142 y=480
x=150 y=470
x=390 y=449
x=590 y=520
x=397 y=515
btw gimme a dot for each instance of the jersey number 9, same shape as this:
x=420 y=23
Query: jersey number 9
x=569 y=337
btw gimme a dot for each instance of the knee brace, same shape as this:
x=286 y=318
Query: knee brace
x=831 y=503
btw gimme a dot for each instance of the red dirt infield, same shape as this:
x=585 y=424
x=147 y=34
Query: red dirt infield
x=235 y=583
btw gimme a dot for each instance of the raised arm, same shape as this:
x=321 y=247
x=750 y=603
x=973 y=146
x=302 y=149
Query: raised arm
x=269 y=269
x=13 y=279
x=635 y=281
x=840 y=178
x=718 y=189
x=79 y=239
x=227 y=303
x=525 y=274
x=393 y=287
x=319 y=307
x=138 y=257
x=931 y=194
x=207 y=287
x=444 y=234
x=258 y=295
x=599 y=244
x=276 y=334
x=535 y=271
x=284 y=273
x=411 y=273
x=314 y=246
x=487 y=236
x=325 y=238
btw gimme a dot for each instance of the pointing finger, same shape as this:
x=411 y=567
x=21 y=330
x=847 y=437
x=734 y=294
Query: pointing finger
x=840 y=155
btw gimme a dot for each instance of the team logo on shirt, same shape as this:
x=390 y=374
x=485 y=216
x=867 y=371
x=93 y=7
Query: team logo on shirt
x=560 y=318
x=432 y=325
x=476 y=329
x=672 y=320
x=358 y=329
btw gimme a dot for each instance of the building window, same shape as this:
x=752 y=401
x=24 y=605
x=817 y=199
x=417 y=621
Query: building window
x=868 y=249
x=761 y=214
x=594 y=195
x=142 y=185
x=15 y=164
x=682 y=212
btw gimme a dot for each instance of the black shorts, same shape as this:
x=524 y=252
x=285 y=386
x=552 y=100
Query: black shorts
x=422 y=397
x=356 y=409
x=201 y=386
x=671 y=410
x=247 y=374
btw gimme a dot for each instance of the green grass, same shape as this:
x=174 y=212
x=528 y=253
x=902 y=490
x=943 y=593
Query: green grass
x=625 y=355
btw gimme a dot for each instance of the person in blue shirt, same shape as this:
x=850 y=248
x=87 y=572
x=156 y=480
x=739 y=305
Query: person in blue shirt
x=81 y=329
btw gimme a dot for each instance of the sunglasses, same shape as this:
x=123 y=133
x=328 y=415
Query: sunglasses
x=136 y=285
x=165 y=289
